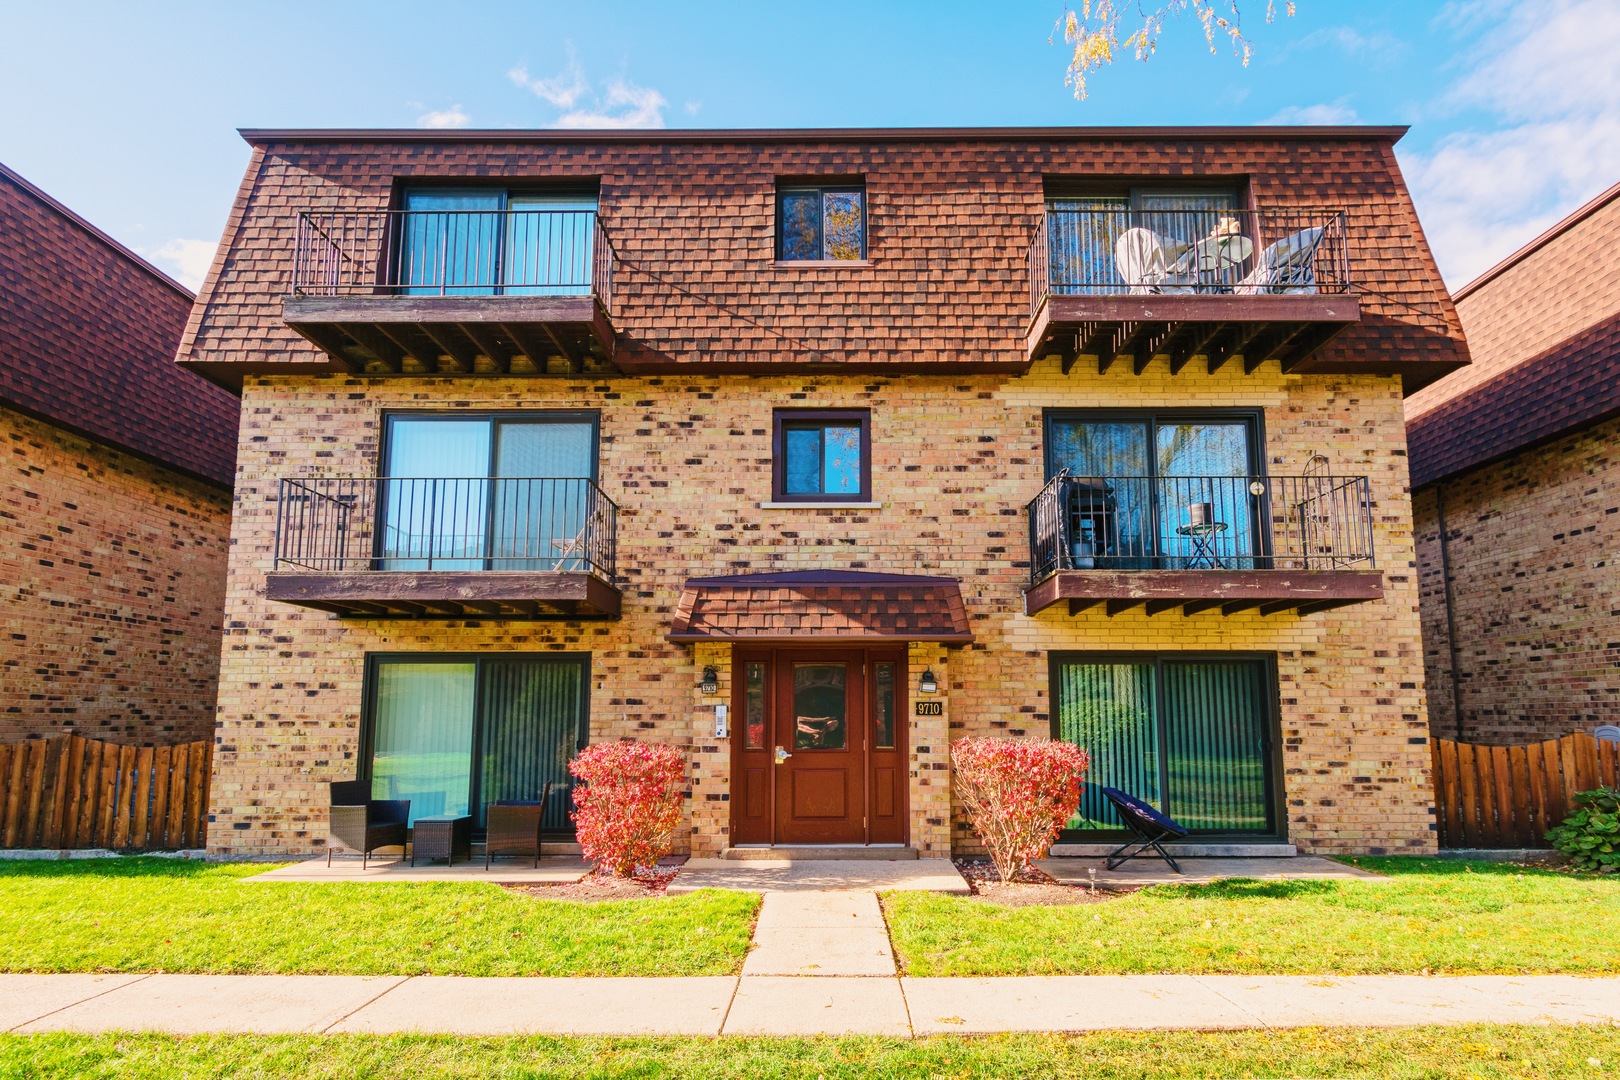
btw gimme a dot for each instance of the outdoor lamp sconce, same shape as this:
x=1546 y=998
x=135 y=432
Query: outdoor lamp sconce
x=928 y=684
x=711 y=681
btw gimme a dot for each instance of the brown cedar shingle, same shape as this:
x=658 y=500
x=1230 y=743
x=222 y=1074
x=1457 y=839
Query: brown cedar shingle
x=87 y=336
x=847 y=605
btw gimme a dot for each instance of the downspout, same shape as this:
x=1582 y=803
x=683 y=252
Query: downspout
x=1451 y=618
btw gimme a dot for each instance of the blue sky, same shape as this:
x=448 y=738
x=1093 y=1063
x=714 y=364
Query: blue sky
x=127 y=112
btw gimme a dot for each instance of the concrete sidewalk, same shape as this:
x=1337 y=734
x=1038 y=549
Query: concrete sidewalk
x=785 y=1005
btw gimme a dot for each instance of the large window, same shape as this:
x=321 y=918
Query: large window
x=454 y=733
x=822 y=456
x=821 y=223
x=488 y=492
x=1192 y=734
x=1160 y=490
x=488 y=241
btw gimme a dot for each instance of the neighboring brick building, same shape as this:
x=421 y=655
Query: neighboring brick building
x=115 y=497
x=1516 y=494
x=562 y=436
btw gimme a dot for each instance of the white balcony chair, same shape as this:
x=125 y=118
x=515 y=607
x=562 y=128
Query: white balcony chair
x=1288 y=266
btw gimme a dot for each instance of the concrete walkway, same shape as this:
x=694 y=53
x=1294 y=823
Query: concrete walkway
x=784 y=1005
x=833 y=875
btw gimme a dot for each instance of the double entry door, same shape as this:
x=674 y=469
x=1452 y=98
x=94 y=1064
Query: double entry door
x=818 y=746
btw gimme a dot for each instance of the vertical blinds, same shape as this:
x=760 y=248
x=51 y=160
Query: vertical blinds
x=1190 y=736
x=453 y=736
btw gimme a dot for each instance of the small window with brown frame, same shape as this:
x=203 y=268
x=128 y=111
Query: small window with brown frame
x=823 y=222
x=822 y=455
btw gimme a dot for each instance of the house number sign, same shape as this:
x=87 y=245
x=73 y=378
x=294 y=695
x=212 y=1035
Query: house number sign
x=930 y=708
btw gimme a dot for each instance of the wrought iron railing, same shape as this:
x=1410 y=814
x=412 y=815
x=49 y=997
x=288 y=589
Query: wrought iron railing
x=1315 y=522
x=453 y=253
x=1239 y=252
x=469 y=523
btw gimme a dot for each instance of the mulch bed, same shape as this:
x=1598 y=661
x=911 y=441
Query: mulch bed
x=1030 y=888
x=593 y=888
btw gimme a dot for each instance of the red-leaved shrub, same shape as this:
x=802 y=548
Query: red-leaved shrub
x=626 y=813
x=1017 y=793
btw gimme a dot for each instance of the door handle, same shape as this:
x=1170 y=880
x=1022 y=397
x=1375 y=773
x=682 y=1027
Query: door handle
x=781 y=755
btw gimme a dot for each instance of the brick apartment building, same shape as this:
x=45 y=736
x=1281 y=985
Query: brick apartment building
x=811 y=451
x=1516 y=494
x=115 y=497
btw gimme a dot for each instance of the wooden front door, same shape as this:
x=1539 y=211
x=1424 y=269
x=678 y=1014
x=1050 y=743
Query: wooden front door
x=818 y=747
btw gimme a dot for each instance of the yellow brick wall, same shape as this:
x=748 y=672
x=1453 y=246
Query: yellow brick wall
x=112 y=578
x=955 y=459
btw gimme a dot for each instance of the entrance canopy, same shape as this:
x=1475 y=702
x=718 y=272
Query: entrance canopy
x=810 y=604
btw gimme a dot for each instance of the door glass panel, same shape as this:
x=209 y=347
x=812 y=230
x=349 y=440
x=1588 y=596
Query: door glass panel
x=423 y=736
x=883 y=721
x=1205 y=509
x=1081 y=236
x=819 y=707
x=1215 y=721
x=549 y=245
x=531 y=711
x=434 y=499
x=450 y=243
x=754 y=707
x=1108 y=711
x=541 y=501
x=1112 y=518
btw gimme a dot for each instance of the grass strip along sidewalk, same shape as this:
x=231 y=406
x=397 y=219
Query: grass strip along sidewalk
x=174 y=915
x=1436 y=916
x=1485 y=1052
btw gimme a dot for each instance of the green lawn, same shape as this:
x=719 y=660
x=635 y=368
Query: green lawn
x=179 y=915
x=1440 y=916
x=1482 y=1052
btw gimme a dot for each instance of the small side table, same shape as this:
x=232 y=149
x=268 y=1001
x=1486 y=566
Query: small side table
x=1203 y=539
x=443 y=836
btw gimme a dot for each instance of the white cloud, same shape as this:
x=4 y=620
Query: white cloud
x=453 y=117
x=186 y=260
x=692 y=107
x=1355 y=43
x=561 y=90
x=1545 y=75
x=1336 y=112
x=620 y=104
x=625 y=105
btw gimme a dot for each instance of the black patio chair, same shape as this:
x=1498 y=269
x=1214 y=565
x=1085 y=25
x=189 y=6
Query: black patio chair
x=361 y=823
x=513 y=828
x=1150 y=827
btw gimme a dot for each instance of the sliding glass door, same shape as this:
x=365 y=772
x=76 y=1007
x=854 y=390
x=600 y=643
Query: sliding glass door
x=1175 y=486
x=454 y=733
x=490 y=241
x=487 y=492
x=1192 y=734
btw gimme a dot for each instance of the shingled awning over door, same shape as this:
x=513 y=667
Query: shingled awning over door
x=847 y=605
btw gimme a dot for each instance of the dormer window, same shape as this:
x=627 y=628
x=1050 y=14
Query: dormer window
x=821 y=222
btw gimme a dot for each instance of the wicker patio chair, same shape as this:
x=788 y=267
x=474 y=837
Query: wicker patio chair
x=361 y=823
x=513 y=828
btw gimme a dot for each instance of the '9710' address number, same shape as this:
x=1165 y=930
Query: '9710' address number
x=930 y=708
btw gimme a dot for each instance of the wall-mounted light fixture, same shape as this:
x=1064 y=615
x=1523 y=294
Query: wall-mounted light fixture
x=928 y=684
x=711 y=681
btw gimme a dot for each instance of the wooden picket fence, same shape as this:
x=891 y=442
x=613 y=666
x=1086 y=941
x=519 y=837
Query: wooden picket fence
x=1509 y=796
x=70 y=792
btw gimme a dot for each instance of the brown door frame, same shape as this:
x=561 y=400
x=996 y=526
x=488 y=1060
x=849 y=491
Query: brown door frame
x=773 y=656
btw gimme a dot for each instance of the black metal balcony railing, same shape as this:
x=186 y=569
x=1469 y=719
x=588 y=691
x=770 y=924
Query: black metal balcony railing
x=1200 y=523
x=357 y=524
x=453 y=253
x=1237 y=252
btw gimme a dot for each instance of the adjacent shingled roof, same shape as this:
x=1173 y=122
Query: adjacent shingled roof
x=88 y=331
x=1575 y=383
x=841 y=604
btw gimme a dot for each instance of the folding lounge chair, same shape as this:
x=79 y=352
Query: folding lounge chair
x=1148 y=824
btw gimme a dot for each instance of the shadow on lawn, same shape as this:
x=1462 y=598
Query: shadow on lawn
x=128 y=866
